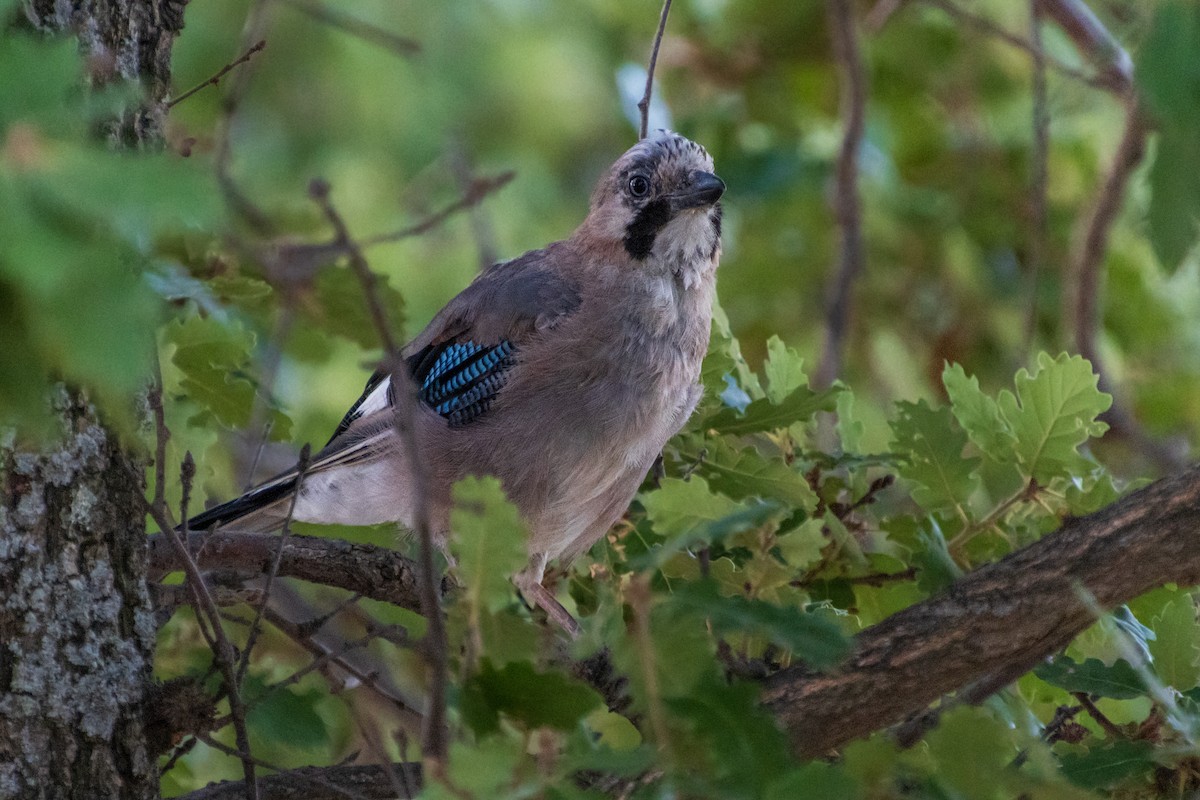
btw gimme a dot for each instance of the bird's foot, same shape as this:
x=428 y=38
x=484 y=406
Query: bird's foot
x=543 y=599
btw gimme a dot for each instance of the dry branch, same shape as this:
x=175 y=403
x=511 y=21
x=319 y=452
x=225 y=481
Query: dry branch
x=852 y=83
x=998 y=622
x=1094 y=41
x=376 y=573
x=366 y=781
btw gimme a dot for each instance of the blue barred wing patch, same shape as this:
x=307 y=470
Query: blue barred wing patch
x=459 y=380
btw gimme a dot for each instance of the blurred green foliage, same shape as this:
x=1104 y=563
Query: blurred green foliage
x=774 y=532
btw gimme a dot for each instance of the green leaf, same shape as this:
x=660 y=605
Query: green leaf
x=1170 y=81
x=802 y=546
x=687 y=514
x=488 y=543
x=1175 y=646
x=289 y=717
x=743 y=749
x=521 y=693
x=764 y=415
x=973 y=751
x=39 y=74
x=340 y=308
x=811 y=637
x=1053 y=412
x=850 y=428
x=1101 y=767
x=740 y=474
x=214 y=359
x=680 y=508
x=1175 y=195
x=978 y=414
x=1119 y=681
x=932 y=446
x=815 y=781
x=784 y=369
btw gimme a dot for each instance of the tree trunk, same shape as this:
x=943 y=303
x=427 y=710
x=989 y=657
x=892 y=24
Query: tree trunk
x=77 y=629
x=76 y=622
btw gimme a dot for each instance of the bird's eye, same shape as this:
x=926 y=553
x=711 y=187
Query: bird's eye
x=639 y=185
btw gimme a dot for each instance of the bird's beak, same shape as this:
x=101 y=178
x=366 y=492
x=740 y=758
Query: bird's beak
x=704 y=189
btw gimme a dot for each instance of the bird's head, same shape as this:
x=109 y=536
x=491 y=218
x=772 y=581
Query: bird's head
x=660 y=203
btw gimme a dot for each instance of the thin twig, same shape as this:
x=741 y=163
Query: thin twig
x=284 y=533
x=239 y=83
x=986 y=26
x=475 y=192
x=1039 y=177
x=370 y=734
x=1082 y=306
x=464 y=176
x=852 y=83
x=238 y=752
x=272 y=360
x=1094 y=40
x=222 y=649
x=880 y=13
x=221 y=73
x=1098 y=715
x=372 y=34
x=162 y=433
x=640 y=599
x=323 y=652
x=644 y=104
x=434 y=744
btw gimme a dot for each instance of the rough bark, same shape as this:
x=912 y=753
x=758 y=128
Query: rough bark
x=998 y=622
x=76 y=623
x=364 y=781
x=122 y=40
x=76 y=626
x=373 y=572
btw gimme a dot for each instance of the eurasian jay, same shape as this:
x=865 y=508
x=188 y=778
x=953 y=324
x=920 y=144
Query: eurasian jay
x=562 y=372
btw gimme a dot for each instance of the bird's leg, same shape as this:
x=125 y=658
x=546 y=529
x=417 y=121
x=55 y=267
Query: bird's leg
x=529 y=582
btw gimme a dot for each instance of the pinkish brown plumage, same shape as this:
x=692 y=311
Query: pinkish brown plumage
x=562 y=372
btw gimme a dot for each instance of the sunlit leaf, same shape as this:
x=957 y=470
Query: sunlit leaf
x=811 y=637
x=978 y=414
x=784 y=369
x=932 y=445
x=1176 y=645
x=739 y=474
x=764 y=415
x=1118 y=680
x=1053 y=412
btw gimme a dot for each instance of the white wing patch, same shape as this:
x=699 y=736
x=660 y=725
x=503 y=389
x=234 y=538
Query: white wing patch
x=377 y=400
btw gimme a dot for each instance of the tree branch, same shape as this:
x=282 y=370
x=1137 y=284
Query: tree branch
x=998 y=622
x=376 y=573
x=852 y=79
x=1094 y=42
x=366 y=781
x=221 y=73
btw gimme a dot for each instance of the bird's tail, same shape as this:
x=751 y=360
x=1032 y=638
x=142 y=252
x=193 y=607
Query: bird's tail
x=259 y=510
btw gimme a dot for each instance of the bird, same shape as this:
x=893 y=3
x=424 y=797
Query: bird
x=562 y=373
